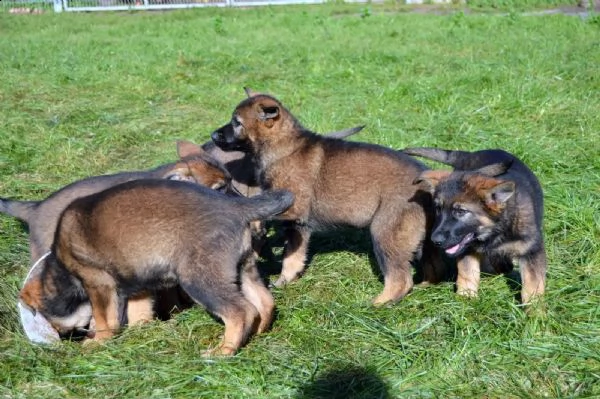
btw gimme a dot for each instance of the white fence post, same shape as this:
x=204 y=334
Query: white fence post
x=58 y=7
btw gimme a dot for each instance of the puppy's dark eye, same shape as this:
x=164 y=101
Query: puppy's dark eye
x=459 y=212
x=235 y=122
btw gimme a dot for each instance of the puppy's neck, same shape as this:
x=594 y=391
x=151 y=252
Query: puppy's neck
x=291 y=139
x=61 y=289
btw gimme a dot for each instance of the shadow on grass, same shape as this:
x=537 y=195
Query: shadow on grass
x=349 y=382
x=514 y=283
x=353 y=240
x=358 y=241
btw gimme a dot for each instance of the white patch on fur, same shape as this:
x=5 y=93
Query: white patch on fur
x=78 y=319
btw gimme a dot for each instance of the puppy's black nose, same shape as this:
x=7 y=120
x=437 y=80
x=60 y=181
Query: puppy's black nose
x=437 y=240
x=216 y=135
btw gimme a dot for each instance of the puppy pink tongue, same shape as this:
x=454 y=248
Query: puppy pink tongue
x=453 y=250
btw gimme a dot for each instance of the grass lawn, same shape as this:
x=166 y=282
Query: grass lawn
x=89 y=94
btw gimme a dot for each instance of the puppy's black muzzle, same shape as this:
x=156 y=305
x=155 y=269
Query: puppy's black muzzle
x=439 y=239
x=224 y=138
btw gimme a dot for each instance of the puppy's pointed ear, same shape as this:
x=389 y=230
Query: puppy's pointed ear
x=268 y=113
x=495 y=197
x=432 y=178
x=250 y=92
x=495 y=169
x=187 y=148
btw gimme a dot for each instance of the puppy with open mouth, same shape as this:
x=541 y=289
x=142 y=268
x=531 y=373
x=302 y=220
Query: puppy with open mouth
x=489 y=209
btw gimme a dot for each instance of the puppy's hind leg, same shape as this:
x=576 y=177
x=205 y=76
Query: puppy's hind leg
x=226 y=302
x=396 y=241
x=294 y=256
x=255 y=291
x=240 y=318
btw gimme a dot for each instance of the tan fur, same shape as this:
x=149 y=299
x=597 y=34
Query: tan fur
x=31 y=294
x=192 y=167
x=432 y=177
x=335 y=183
x=467 y=282
x=500 y=220
x=140 y=309
x=533 y=277
x=153 y=234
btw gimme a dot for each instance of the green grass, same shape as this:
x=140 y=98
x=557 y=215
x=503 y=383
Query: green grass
x=90 y=94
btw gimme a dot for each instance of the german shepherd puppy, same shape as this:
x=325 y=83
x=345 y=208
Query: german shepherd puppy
x=41 y=217
x=241 y=166
x=144 y=235
x=195 y=165
x=487 y=215
x=242 y=169
x=335 y=183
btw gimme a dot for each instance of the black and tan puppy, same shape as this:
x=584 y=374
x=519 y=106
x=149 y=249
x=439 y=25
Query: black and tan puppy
x=242 y=168
x=149 y=234
x=335 y=183
x=485 y=216
x=241 y=165
x=195 y=166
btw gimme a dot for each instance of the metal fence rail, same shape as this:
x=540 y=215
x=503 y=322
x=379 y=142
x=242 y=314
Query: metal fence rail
x=36 y=6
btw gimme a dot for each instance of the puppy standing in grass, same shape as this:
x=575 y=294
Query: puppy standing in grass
x=149 y=234
x=487 y=217
x=241 y=166
x=41 y=217
x=335 y=183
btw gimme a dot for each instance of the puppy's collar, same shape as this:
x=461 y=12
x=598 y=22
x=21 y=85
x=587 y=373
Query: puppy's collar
x=37 y=328
x=36 y=264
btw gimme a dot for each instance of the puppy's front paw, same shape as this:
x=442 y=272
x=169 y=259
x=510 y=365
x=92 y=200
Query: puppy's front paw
x=467 y=292
x=280 y=282
x=222 y=350
x=91 y=343
x=98 y=336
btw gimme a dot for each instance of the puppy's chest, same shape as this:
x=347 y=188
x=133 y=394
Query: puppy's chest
x=511 y=244
x=291 y=174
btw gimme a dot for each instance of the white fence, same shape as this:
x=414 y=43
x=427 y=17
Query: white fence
x=35 y=6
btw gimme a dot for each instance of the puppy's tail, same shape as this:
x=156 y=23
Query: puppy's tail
x=267 y=204
x=21 y=210
x=342 y=134
x=448 y=157
x=489 y=162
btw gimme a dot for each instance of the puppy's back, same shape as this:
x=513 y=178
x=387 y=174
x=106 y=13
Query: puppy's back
x=367 y=168
x=163 y=213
